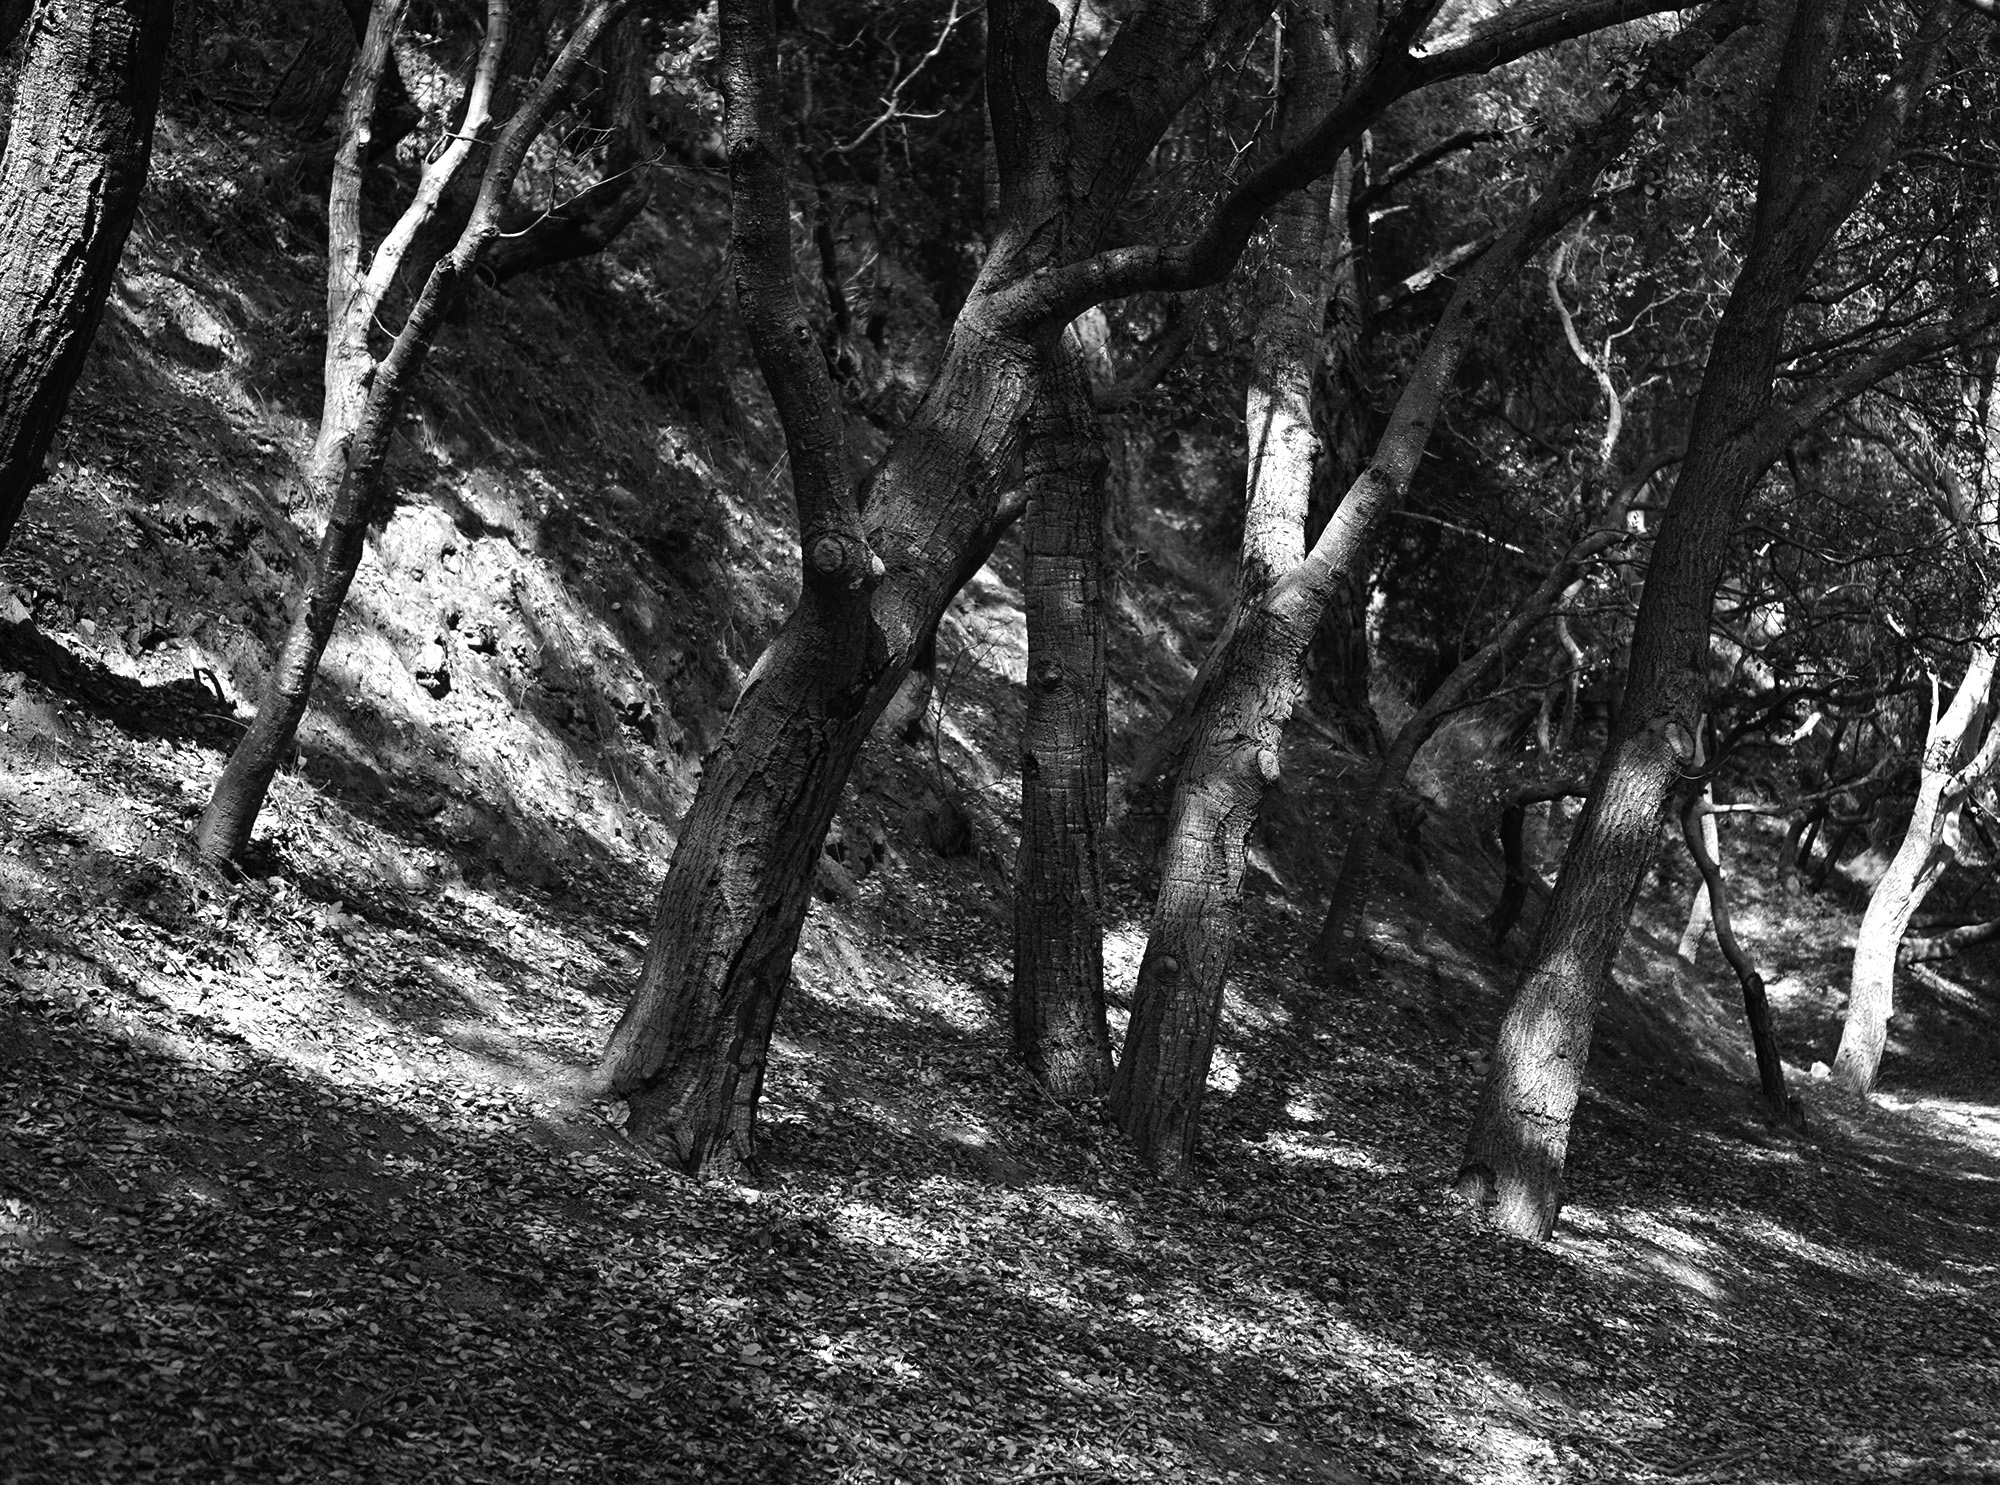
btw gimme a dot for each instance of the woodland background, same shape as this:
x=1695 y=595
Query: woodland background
x=309 y=1169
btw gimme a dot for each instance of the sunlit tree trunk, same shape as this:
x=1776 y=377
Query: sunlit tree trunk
x=1515 y=1153
x=79 y=139
x=1249 y=685
x=357 y=464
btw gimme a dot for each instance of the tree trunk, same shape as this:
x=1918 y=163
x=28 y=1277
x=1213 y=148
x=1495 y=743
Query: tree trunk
x=1701 y=913
x=1515 y=1153
x=1915 y=868
x=1945 y=945
x=232 y=811
x=1337 y=950
x=1698 y=829
x=689 y=1051
x=79 y=140
x=1250 y=685
x=1059 y=1027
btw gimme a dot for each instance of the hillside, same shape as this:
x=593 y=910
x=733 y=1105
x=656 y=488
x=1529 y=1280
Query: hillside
x=303 y=1181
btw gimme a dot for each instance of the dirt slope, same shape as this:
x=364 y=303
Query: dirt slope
x=295 y=1182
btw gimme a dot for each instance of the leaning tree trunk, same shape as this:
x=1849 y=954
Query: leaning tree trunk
x=1518 y=1144
x=78 y=143
x=1249 y=686
x=1701 y=912
x=1698 y=830
x=1336 y=951
x=239 y=794
x=1913 y=871
x=1059 y=1026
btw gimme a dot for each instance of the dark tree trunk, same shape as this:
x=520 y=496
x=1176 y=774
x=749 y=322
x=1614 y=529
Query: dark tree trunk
x=1337 y=951
x=1059 y=1027
x=1518 y=1144
x=78 y=143
x=1514 y=868
x=1698 y=830
x=361 y=458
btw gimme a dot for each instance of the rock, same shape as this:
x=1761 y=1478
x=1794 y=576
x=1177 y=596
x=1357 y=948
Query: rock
x=1821 y=1072
x=432 y=668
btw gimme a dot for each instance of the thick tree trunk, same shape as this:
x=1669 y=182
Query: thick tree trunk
x=78 y=143
x=1233 y=723
x=689 y=1051
x=361 y=461
x=1913 y=871
x=1337 y=950
x=1059 y=1026
x=1249 y=686
x=1518 y=1144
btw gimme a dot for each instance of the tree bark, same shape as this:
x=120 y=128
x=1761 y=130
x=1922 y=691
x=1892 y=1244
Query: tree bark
x=78 y=144
x=1251 y=683
x=1337 y=949
x=1919 y=860
x=1059 y=1026
x=1698 y=829
x=688 y=1054
x=226 y=824
x=1515 y=1153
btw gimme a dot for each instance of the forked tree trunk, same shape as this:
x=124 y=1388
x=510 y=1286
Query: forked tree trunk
x=1059 y=1026
x=689 y=1052
x=1338 y=948
x=1515 y=1153
x=1919 y=860
x=78 y=142
x=232 y=811
x=1249 y=686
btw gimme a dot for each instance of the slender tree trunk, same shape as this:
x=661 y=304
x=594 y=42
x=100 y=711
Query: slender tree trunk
x=78 y=143
x=1913 y=871
x=1701 y=913
x=1250 y=685
x=1698 y=829
x=1514 y=852
x=1059 y=1026
x=1337 y=950
x=226 y=824
x=1515 y=1153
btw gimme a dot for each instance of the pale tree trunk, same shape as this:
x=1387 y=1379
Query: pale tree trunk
x=1701 y=916
x=1249 y=685
x=361 y=459
x=1059 y=1026
x=1949 y=772
x=688 y=1054
x=78 y=142
x=1338 y=948
x=1515 y=1153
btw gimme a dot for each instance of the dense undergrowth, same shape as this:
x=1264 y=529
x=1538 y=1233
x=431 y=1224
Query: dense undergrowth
x=301 y=1181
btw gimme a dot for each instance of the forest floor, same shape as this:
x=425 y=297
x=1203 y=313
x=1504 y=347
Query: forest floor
x=299 y=1180
x=300 y=1183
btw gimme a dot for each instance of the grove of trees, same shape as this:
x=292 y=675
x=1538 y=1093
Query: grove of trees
x=1620 y=373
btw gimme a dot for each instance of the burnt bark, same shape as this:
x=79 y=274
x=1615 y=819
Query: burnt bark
x=362 y=456
x=78 y=144
x=1516 y=1150
x=1058 y=1005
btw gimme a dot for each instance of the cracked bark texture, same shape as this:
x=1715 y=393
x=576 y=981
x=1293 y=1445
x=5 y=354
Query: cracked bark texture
x=79 y=141
x=1058 y=1005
